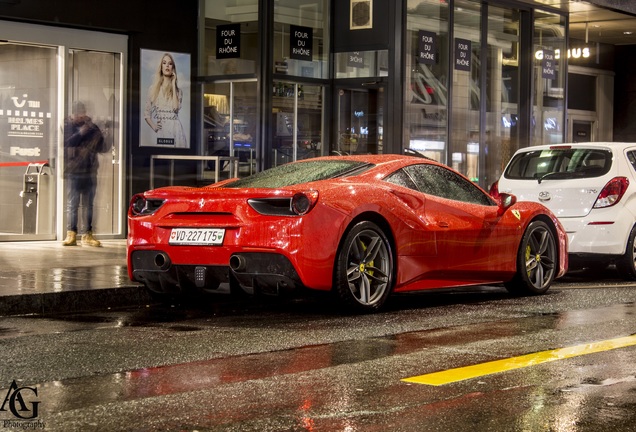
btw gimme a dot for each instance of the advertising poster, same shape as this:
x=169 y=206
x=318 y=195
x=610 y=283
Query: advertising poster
x=165 y=99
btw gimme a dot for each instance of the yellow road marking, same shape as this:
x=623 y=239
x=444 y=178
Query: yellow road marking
x=488 y=368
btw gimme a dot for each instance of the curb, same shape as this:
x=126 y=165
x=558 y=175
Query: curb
x=74 y=301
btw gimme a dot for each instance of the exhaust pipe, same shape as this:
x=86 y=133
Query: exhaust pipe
x=238 y=263
x=162 y=260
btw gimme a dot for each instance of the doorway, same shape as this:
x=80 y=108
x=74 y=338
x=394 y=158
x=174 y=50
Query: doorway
x=45 y=72
x=94 y=79
x=359 y=124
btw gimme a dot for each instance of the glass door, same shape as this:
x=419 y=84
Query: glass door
x=229 y=127
x=94 y=82
x=297 y=118
x=360 y=119
x=28 y=144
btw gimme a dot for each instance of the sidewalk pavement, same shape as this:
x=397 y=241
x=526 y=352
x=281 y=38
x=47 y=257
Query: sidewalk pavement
x=46 y=277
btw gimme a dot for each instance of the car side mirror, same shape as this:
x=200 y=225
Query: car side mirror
x=505 y=201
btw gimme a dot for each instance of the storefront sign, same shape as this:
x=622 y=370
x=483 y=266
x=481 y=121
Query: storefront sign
x=301 y=43
x=462 y=54
x=548 y=65
x=24 y=117
x=355 y=59
x=228 y=41
x=427 y=47
x=573 y=53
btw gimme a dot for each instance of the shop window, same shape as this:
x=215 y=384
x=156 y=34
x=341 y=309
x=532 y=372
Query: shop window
x=468 y=59
x=301 y=41
x=362 y=64
x=549 y=49
x=229 y=128
x=426 y=81
x=297 y=121
x=230 y=45
x=582 y=94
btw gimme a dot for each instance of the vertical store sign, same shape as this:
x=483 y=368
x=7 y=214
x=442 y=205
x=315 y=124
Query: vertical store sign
x=463 y=52
x=548 y=66
x=301 y=42
x=228 y=41
x=427 y=47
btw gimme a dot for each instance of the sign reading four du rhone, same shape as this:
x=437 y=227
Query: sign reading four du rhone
x=463 y=54
x=301 y=42
x=427 y=47
x=228 y=41
x=548 y=64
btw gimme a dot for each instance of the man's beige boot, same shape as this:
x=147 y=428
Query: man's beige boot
x=89 y=240
x=71 y=239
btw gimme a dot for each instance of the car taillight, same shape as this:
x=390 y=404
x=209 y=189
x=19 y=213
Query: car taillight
x=140 y=206
x=612 y=192
x=302 y=202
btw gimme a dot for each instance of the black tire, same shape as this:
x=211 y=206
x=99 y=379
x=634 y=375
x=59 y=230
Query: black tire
x=537 y=261
x=626 y=265
x=363 y=274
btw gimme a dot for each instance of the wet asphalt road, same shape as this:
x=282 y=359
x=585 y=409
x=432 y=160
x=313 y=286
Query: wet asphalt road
x=302 y=365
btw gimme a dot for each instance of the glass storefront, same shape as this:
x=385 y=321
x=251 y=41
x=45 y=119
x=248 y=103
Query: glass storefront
x=490 y=114
x=426 y=89
x=300 y=63
x=502 y=91
x=465 y=128
x=44 y=73
x=229 y=126
x=297 y=120
x=462 y=85
x=549 y=98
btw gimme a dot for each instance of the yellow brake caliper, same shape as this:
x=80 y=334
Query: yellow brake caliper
x=363 y=265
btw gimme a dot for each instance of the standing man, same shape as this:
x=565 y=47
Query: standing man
x=83 y=140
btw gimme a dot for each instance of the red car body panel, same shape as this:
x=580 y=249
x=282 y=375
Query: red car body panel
x=437 y=242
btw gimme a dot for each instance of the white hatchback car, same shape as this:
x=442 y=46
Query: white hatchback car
x=591 y=188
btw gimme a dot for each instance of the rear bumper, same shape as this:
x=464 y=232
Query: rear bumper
x=266 y=273
x=598 y=234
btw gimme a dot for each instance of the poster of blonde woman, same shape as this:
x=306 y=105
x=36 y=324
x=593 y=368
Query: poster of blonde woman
x=165 y=98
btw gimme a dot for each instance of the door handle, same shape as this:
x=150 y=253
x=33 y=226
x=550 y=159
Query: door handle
x=442 y=224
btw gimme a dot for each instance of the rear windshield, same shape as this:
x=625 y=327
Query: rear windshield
x=300 y=172
x=559 y=163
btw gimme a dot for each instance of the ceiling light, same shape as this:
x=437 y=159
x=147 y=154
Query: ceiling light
x=628 y=32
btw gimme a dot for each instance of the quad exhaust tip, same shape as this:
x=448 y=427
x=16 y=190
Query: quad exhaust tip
x=237 y=263
x=162 y=260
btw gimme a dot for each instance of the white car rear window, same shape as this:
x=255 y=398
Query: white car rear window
x=559 y=163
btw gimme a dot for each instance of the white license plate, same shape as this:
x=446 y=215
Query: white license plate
x=196 y=236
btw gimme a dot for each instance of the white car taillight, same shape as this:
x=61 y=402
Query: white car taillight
x=612 y=192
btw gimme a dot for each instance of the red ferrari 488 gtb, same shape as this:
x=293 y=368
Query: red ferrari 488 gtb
x=360 y=226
